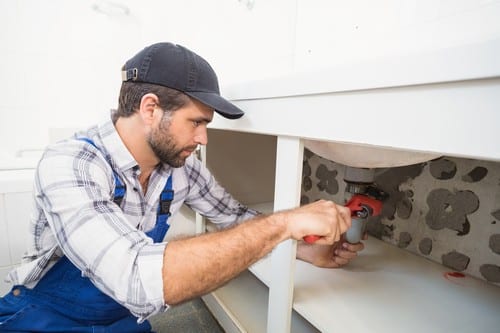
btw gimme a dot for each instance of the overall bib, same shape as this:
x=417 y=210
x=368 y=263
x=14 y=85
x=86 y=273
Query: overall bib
x=64 y=301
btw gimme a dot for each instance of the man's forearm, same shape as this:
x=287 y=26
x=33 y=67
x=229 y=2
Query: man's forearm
x=198 y=265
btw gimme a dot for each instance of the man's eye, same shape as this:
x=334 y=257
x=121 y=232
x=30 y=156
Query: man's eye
x=196 y=123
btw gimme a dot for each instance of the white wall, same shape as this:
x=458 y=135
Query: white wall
x=60 y=60
x=335 y=32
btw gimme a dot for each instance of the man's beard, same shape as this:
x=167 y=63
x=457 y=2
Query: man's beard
x=164 y=146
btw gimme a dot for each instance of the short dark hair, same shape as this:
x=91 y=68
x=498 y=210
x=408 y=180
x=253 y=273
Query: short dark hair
x=131 y=93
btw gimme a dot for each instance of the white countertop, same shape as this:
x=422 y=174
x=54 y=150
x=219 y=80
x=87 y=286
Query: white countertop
x=458 y=63
x=16 y=180
x=443 y=103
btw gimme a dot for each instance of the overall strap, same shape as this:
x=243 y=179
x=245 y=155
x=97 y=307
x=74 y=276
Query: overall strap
x=119 y=186
x=163 y=212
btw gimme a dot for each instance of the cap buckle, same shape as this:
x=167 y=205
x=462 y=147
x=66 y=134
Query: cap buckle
x=129 y=74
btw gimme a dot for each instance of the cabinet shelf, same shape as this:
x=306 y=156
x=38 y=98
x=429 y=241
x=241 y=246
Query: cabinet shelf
x=386 y=280
x=242 y=304
x=417 y=294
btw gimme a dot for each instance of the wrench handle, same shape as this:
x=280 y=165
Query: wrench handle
x=311 y=238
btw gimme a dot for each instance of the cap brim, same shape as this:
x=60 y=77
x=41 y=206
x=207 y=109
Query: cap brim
x=218 y=103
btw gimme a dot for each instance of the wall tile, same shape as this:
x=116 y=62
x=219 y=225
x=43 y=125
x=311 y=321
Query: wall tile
x=446 y=210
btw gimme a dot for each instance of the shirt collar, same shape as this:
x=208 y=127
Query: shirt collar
x=115 y=147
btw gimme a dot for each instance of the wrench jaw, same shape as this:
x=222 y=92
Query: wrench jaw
x=365 y=212
x=362 y=207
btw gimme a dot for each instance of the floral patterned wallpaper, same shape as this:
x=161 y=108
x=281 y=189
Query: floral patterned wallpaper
x=447 y=210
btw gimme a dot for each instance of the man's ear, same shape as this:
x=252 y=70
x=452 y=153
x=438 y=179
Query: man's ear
x=149 y=103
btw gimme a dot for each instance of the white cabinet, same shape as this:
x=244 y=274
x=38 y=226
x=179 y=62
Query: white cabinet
x=386 y=289
x=15 y=210
x=4 y=239
x=451 y=112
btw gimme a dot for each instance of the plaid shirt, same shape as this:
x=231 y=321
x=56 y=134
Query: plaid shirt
x=74 y=214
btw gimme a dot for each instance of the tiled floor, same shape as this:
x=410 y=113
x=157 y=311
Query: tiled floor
x=190 y=317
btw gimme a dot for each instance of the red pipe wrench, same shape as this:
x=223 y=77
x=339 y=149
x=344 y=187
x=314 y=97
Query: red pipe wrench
x=361 y=206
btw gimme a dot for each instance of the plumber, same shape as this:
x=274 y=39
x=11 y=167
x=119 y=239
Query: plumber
x=96 y=259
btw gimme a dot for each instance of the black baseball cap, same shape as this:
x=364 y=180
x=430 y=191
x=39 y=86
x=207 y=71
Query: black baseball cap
x=174 y=66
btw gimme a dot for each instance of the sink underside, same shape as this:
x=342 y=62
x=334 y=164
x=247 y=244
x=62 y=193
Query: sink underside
x=366 y=156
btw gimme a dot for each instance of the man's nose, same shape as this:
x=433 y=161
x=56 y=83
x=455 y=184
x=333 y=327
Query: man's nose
x=201 y=136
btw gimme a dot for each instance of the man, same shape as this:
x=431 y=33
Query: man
x=96 y=260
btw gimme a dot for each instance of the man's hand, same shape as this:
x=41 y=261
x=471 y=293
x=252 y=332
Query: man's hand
x=329 y=256
x=322 y=218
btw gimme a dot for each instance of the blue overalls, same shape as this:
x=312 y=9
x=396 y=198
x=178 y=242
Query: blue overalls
x=64 y=301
